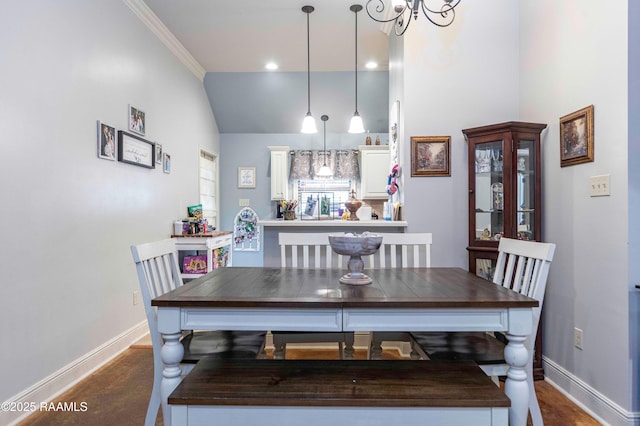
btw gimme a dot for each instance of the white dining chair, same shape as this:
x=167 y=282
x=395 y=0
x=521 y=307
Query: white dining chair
x=399 y=250
x=309 y=251
x=522 y=266
x=158 y=273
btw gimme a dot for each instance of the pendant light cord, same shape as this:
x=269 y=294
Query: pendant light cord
x=308 y=68
x=356 y=60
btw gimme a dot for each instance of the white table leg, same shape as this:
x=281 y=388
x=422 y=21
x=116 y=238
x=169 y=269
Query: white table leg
x=516 y=386
x=171 y=354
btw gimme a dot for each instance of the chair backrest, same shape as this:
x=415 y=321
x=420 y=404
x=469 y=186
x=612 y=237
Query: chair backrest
x=307 y=250
x=158 y=273
x=313 y=251
x=403 y=250
x=523 y=266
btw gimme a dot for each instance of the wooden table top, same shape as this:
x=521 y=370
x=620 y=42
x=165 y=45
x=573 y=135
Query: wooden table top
x=412 y=288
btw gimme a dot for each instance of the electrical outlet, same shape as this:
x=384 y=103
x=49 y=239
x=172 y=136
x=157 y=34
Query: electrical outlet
x=577 y=338
x=244 y=202
x=599 y=186
x=135 y=297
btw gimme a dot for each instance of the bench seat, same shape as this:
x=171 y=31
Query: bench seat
x=321 y=392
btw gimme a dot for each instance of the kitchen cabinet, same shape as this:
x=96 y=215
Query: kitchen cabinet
x=279 y=172
x=374 y=171
x=202 y=253
x=504 y=195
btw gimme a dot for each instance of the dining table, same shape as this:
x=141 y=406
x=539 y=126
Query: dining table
x=287 y=299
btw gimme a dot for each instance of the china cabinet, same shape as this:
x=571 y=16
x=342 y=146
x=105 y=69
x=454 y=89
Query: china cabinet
x=504 y=194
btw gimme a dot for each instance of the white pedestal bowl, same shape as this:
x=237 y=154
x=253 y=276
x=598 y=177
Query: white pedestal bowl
x=355 y=246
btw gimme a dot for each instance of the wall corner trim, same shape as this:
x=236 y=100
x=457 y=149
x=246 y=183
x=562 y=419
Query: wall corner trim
x=161 y=31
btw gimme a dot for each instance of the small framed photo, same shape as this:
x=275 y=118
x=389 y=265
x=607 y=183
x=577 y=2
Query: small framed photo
x=134 y=150
x=137 y=120
x=430 y=156
x=246 y=177
x=576 y=137
x=166 y=163
x=158 y=153
x=106 y=141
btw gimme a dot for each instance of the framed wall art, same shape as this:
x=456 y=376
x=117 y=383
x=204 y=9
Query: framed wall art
x=576 y=137
x=106 y=141
x=133 y=149
x=430 y=156
x=246 y=177
x=166 y=163
x=158 y=153
x=137 y=120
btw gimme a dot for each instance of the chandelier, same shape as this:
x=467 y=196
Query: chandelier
x=401 y=10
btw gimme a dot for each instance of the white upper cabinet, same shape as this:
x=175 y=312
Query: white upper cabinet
x=374 y=171
x=279 y=172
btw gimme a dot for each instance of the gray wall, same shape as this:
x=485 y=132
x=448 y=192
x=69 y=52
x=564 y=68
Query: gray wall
x=276 y=102
x=634 y=200
x=65 y=265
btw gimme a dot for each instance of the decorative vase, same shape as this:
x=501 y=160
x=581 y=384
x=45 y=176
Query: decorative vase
x=353 y=204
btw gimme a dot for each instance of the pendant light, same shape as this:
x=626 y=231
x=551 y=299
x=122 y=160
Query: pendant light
x=356 y=125
x=325 y=171
x=309 y=123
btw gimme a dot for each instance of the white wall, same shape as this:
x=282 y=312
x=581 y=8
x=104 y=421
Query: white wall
x=68 y=217
x=580 y=58
x=462 y=76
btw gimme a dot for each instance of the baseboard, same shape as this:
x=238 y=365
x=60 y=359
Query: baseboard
x=60 y=381
x=586 y=397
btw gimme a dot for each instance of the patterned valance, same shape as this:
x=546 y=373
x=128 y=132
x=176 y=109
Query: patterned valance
x=305 y=164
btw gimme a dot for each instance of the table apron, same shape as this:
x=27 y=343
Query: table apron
x=262 y=319
x=426 y=319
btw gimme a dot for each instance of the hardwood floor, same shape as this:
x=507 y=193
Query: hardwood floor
x=119 y=392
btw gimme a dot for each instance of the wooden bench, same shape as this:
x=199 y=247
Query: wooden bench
x=320 y=393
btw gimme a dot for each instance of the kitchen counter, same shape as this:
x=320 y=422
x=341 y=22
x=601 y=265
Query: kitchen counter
x=333 y=223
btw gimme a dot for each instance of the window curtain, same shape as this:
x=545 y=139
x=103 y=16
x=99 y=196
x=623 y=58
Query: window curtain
x=305 y=164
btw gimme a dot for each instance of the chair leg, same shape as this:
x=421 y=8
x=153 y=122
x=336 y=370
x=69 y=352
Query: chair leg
x=349 y=352
x=375 y=349
x=534 y=407
x=155 y=399
x=279 y=347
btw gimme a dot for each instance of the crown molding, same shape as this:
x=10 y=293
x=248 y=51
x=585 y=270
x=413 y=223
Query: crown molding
x=161 y=31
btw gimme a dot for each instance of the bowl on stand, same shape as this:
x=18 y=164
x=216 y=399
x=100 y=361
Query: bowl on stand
x=355 y=246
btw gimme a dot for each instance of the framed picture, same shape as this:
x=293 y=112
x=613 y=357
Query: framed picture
x=158 y=153
x=166 y=163
x=137 y=121
x=133 y=149
x=576 y=137
x=246 y=177
x=106 y=141
x=430 y=156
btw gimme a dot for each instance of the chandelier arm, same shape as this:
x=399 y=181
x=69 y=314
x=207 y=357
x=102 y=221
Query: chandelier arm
x=447 y=12
x=402 y=25
x=380 y=8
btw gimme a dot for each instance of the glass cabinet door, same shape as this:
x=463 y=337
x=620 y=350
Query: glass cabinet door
x=525 y=190
x=489 y=190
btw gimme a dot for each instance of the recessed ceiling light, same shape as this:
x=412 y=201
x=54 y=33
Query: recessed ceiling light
x=371 y=65
x=271 y=66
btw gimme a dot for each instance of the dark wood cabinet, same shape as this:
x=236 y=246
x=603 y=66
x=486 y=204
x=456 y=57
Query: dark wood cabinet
x=504 y=195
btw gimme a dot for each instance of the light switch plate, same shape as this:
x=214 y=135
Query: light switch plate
x=599 y=186
x=244 y=202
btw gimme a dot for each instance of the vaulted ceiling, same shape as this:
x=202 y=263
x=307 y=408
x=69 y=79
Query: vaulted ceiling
x=233 y=41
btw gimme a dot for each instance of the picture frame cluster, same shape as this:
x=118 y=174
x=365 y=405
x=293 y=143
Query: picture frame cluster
x=129 y=146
